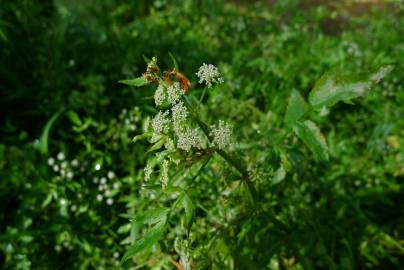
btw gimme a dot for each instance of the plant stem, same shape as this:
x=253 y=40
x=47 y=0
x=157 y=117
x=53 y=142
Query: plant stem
x=234 y=162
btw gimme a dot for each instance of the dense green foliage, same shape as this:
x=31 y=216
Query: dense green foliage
x=319 y=137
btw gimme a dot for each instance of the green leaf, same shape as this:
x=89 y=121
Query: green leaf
x=141 y=137
x=310 y=134
x=189 y=208
x=157 y=145
x=141 y=81
x=148 y=240
x=73 y=116
x=336 y=86
x=152 y=216
x=297 y=107
x=42 y=144
x=174 y=61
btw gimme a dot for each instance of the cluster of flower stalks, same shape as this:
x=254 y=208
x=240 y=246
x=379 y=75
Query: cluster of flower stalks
x=176 y=131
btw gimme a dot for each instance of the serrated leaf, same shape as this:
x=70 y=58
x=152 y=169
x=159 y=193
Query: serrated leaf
x=297 y=107
x=141 y=81
x=151 y=216
x=189 y=208
x=311 y=135
x=148 y=240
x=335 y=86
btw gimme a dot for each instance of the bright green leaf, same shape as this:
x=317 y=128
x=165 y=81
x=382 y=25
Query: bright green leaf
x=335 y=86
x=135 y=82
x=311 y=135
x=73 y=116
x=297 y=107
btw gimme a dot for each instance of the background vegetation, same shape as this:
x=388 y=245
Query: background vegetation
x=69 y=170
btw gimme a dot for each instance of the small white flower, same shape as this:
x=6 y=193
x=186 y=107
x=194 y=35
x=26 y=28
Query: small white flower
x=75 y=163
x=103 y=180
x=73 y=208
x=56 y=168
x=70 y=175
x=60 y=156
x=159 y=95
x=99 y=197
x=115 y=186
x=63 y=165
x=160 y=122
x=95 y=180
x=222 y=135
x=174 y=92
x=111 y=175
x=97 y=167
x=209 y=74
x=107 y=193
x=51 y=161
x=164 y=174
x=63 y=201
x=110 y=201
x=148 y=170
x=101 y=187
x=116 y=255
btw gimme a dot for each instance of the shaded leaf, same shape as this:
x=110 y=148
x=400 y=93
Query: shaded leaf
x=148 y=239
x=311 y=135
x=42 y=144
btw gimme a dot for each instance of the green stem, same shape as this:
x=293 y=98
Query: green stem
x=203 y=95
x=234 y=162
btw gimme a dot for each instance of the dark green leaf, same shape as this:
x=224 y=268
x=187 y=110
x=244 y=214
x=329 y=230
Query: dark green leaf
x=174 y=61
x=310 y=134
x=42 y=144
x=148 y=239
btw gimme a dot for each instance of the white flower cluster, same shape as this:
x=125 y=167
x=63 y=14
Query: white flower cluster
x=164 y=174
x=209 y=74
x=148 y=170
x=174 y=92
x=222 y=135
x=107 y=187
x=189 y=138
x=161 y=122
x=65 y=168
x=160 y=95
x=179 y=114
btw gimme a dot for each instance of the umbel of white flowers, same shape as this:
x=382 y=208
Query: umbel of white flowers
x=209 y=74
x=173 y=124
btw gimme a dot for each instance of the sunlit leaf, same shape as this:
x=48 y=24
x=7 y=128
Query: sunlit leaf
x=335 y=86
x=141 y=81
x=311 y=135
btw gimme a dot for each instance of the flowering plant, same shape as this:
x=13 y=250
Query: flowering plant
x=181 y=139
